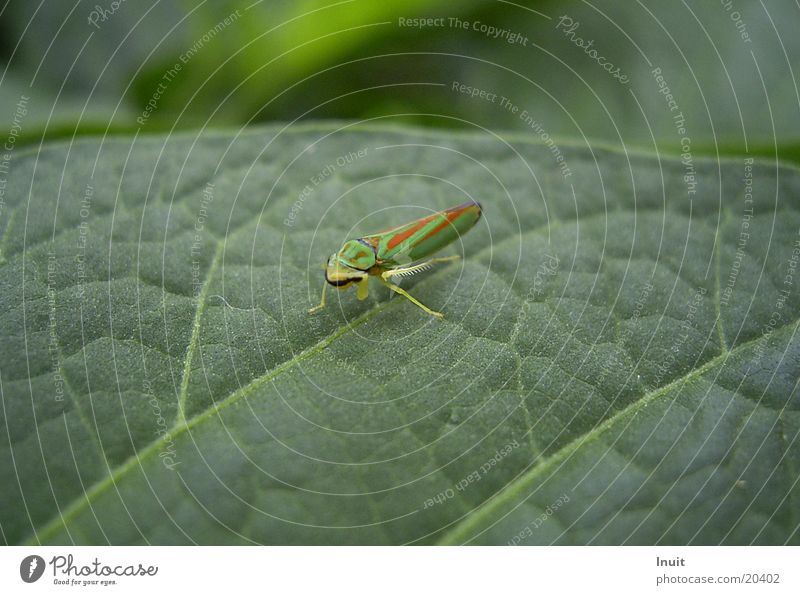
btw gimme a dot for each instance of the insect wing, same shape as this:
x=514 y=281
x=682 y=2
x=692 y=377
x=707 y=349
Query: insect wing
x=418 y=239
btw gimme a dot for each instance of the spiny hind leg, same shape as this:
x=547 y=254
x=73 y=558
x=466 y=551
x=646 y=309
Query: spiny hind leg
x=407 y=295
x=322 y=301
x=416 y=268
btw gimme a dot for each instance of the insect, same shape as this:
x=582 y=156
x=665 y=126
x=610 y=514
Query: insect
x=398 y=252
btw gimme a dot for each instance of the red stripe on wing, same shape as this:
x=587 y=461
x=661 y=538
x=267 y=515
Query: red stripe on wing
x=404 y=235
x=450 y=217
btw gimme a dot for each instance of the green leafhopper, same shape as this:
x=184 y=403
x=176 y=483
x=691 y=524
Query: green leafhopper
x=398 y=252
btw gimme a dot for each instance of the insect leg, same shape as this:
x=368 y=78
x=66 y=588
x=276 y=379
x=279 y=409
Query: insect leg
x=416 y=268
x=363 y=289
x=322 y=302
x=445 y=258
x=404 y=293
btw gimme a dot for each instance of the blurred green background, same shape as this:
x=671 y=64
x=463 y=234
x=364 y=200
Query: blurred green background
x=92 y=67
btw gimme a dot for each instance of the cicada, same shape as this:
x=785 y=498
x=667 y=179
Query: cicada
x=398 y=252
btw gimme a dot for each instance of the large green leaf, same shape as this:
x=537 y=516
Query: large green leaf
x=617 y=363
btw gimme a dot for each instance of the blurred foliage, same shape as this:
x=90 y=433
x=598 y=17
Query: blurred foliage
x=313 y=59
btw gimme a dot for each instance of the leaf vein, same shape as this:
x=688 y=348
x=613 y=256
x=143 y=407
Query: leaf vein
x=463 y=527
x=202 y=299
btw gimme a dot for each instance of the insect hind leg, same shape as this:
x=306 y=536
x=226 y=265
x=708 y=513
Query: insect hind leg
x=410 y=297
x=416 y=268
